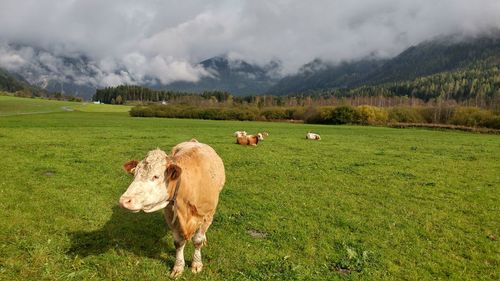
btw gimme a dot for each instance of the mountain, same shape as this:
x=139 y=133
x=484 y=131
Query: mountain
x=12 y=83
x=231 y=75
x=9 y=83
x=430 y=57
x=71 y=75
x=76 y=76
x=443 y=54
x=80 y=76
x=319 y=74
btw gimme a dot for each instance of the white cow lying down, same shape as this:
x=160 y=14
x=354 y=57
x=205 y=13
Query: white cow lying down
x=313 y=136
x=186 y=184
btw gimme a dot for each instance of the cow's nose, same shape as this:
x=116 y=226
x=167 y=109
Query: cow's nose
x=126 y=202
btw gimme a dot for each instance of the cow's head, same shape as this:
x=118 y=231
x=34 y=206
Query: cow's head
x=148 y=191
x=260 y=136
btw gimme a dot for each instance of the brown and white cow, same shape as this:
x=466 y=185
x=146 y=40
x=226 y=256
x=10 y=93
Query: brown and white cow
x=249 y=139
x=186 y=184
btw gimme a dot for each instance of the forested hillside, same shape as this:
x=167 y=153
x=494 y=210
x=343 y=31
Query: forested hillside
x=476 y=86
x=441 y=56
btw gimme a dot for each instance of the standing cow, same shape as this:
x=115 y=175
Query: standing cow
x=186 y=184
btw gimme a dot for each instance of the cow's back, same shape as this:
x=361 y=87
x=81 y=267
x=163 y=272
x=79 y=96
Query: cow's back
x=202 y=177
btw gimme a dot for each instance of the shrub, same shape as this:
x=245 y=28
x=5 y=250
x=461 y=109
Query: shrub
x=274 y=114
x=136 y=111
x=325 y=115
x=439 y=115
x=296 y=113
x=332 y=115
x=493 y=122
x=345 y=115
x=465 y=116
x=210 y=113
x=242 y=114
x=372 y=115
x=148 y=112
x=311 y=115
x=321 y=115
x=475 y=117
x=405 y=115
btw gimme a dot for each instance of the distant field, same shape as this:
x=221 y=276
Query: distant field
x=90 y=107
x=362 y=203
x=15 y=106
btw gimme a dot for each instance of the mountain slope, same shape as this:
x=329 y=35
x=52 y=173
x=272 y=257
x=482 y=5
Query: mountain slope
x=445 y=54
x=427 y=58
x=235 y=76
x=12 y=83
x=322 y=75
x=40 y=68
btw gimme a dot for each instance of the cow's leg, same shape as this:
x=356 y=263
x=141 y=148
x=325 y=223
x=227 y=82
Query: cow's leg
x=199 y=240
x=179 y=243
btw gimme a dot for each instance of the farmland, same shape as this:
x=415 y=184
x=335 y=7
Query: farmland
x=362 y=203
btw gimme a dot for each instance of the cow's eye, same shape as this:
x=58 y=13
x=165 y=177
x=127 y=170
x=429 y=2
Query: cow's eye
x=155 y=177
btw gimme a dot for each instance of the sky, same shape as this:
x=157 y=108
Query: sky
x=129 y=41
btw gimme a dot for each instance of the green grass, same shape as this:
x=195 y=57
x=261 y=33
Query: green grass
x=362 y=203
x=90 y=107
x=10 y=105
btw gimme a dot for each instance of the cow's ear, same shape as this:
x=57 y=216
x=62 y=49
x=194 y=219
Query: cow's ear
x=129 y=167
x=173 y=172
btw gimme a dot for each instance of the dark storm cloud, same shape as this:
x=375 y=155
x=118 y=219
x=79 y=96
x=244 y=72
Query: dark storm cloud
x=128 y=41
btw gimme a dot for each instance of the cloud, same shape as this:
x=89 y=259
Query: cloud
x=129 y=41
x=39 y=66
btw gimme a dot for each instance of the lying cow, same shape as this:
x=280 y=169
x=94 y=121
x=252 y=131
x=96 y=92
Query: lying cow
x=186 y=184
x=239 y=133
x=312 y=136
x=249 y=139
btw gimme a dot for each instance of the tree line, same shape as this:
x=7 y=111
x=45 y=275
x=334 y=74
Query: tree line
x=477 y=87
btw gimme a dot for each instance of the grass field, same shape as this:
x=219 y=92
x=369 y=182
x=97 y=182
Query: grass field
x=362 y=203
x=10 y=105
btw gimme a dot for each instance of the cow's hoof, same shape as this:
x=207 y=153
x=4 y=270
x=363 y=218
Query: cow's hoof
x=177 y=271
x=196 y=267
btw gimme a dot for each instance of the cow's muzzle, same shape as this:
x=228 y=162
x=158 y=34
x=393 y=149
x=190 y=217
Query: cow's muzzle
x=128 y=203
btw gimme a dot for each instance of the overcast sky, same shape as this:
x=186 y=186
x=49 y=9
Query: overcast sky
x=164 y=39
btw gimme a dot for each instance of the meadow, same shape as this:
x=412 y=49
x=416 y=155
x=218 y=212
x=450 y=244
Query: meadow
x=10 y=105
x=364 y=203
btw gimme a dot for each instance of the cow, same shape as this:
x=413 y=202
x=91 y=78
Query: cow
x=186 y=184
x=252 y=140
x=312 y=136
